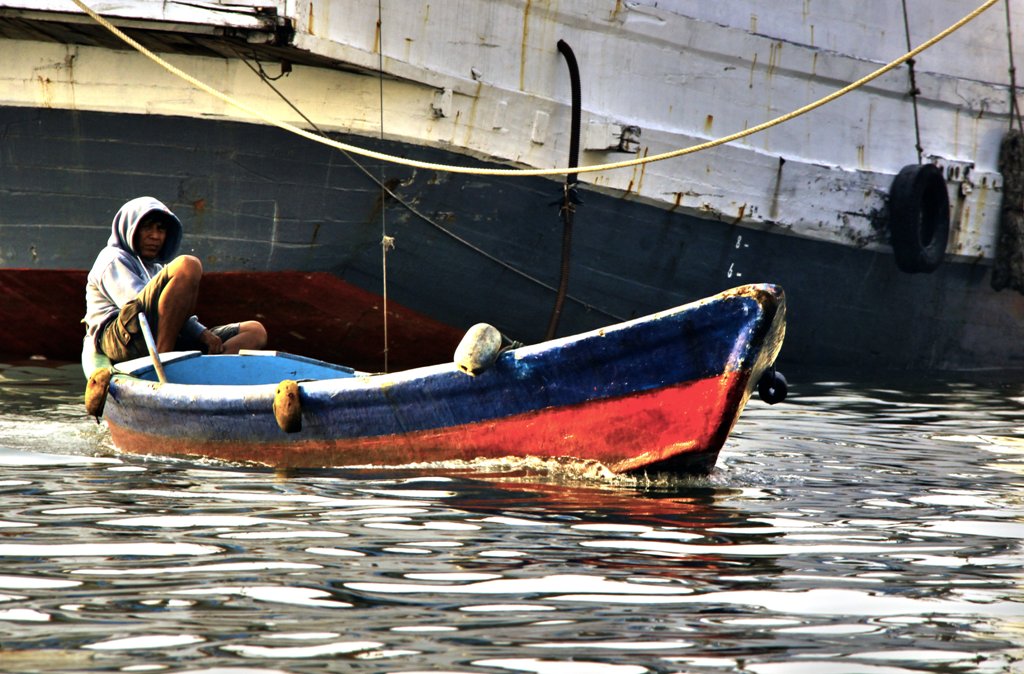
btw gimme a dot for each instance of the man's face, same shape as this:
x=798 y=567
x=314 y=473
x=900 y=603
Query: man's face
x=150 y=236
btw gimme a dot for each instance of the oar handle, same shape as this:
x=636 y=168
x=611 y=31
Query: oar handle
x=147 y=335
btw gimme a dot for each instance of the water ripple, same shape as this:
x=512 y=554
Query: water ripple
x=864 y=528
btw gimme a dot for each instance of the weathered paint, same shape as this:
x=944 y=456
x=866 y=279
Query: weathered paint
x=80 y=114
x=679 y=429
x=661 y=391
x=630 y=259
x=741 y=77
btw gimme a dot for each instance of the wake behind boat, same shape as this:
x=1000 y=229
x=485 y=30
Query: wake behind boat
x=659 y=393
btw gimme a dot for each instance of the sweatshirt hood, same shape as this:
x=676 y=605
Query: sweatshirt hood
x=127 y=221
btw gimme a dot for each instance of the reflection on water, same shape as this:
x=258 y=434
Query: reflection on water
x=858 y=528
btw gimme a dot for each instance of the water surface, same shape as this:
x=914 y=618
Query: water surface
x=867 y=527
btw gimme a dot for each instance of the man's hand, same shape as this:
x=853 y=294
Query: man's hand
x=212 y=342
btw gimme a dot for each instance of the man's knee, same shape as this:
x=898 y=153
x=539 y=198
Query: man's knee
x=256 y=333
x=186 y=267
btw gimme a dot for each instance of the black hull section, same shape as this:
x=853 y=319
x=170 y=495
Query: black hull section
x=469 y=249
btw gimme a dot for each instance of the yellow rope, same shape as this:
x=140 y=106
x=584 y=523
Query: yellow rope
x=533 y=172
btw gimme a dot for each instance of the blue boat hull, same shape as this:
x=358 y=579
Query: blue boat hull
x=656 y=393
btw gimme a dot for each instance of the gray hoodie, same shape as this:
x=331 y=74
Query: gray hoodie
x=119 y=274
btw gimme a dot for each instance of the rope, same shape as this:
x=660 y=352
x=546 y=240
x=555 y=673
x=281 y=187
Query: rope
x=535 y=172
x=1014 y=106
x=386 y=242
x=914 y=91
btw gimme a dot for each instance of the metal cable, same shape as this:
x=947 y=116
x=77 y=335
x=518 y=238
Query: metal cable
x=914 y=91
x=386 y=242
x=1014 y=106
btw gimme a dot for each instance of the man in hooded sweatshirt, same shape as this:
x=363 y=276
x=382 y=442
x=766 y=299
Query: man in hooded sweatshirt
x=138 y=270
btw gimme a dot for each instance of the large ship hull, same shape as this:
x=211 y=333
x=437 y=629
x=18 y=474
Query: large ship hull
x=291 y=231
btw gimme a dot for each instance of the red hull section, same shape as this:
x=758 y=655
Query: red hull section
x=41 y=312
x=315 y=314
x=638 y=432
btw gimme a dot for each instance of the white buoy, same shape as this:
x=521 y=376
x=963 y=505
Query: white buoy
x=478 y=349
x=288 y=406
x=96 y=392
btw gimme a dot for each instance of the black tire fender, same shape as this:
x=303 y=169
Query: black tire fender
x=773 y=387
x=919 y=218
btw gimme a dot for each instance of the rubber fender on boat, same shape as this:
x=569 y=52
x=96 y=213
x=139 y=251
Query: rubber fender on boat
x=773 y=387
x=96 y=392
x=919 y=217
x=478 y=349
x=288 y=407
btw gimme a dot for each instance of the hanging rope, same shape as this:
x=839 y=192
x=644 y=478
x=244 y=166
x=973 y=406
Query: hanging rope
x=534 y=172
x=1015 y=115
x=386 y=242
x=914 y=91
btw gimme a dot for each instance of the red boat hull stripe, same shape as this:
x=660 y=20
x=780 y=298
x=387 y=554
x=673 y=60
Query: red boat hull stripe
x=622 y=433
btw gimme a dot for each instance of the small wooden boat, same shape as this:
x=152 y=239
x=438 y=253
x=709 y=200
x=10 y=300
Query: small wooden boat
x=658 y=393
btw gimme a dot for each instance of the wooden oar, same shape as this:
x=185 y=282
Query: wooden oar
x=147 y=334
